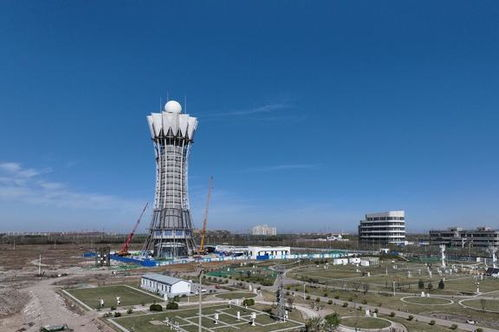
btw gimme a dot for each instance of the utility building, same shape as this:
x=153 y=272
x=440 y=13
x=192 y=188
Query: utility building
x=172 y=133
x=165 y=285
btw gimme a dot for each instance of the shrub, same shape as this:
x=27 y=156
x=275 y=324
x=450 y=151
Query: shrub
x=248 y=302
x=117 y=314
x=441 y=284
x=453 y=327
x=308 y=297
x=155 y=307
x=345 y=304
x=432 y=322
x=113 y=307
x=430 y=286
x=336 y=296
x=325 y=294
x=364 y=301
x=330 y=302
x=411 y=317
x=479 y=329
x=376 y=310
x=420 y=284
x=392 y=314
x=176 y=298
x=129 y=311
x=317 y=300
x=172 y=305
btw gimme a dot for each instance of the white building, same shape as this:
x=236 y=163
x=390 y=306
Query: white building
x=165 y=285
x=383 y=228
x=264 y=230
x=253 y=252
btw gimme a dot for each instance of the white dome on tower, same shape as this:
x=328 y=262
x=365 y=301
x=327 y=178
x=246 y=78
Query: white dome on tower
x=173 y=107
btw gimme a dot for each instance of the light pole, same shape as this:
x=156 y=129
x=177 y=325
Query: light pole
x=200 y=298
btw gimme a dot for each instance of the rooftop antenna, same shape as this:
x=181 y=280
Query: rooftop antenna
x=167 y=96
x=185 y=104
x=160 y=103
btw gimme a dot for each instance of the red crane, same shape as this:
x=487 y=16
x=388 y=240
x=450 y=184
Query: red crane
x=124 y=247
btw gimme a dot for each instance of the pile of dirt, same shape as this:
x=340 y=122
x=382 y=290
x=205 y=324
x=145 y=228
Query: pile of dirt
x=12 y=301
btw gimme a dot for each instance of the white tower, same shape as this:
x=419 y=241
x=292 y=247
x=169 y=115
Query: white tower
x=442 y=255
x=171 y=228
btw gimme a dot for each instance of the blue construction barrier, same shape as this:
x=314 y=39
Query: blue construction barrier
x=142 y=262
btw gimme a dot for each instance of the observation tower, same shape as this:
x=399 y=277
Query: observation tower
x=170 y=233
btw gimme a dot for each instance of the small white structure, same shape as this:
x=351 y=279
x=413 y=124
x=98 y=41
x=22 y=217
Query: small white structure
x=340 y=261
x=364 y=263
x=165 y=285
x=354 y=260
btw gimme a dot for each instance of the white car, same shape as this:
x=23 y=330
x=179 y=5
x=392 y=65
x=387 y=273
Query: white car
x=471 y=321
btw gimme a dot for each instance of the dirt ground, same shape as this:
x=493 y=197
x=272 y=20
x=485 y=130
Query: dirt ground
x=28 y=302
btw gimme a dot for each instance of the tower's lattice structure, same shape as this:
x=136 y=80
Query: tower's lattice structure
x=172 y=134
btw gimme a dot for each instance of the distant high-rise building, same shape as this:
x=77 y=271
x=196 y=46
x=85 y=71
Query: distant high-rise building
x=172 y=133
x=264 y=230
x=383 y=228
x=460 y=237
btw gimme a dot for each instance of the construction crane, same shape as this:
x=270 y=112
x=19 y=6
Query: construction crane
x=202 y=249
x=124 y=247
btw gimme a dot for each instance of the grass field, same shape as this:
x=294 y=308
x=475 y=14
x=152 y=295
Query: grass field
x=255 y=273
x=365 y=322
x=236 y=295
x=382 y=277
x=187 y=320
x=480 y=304
x=128 y=296
x=427 y=300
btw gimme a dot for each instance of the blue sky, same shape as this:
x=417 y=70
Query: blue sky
x=311 y=113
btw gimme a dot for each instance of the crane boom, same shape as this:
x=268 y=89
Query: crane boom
x=124 y=248
x=205 y=220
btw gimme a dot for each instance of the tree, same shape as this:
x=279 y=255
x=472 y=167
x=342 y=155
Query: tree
x=430 y=286
x=441 y=284
x=314 y=324
x=332 y=321
x=421 y=284
x=365 y=287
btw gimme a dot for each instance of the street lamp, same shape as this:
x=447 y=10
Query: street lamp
x=200 y=297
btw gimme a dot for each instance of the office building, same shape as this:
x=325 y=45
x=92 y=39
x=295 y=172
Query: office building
x=460 y=237
x=383 y=228
x=264 y=230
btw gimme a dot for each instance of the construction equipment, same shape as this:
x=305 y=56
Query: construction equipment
x=124 y=248
x=202 y=250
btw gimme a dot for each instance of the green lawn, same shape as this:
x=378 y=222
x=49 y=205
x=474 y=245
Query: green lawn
x=480 y=304
x=188 y=320
x=427 y=300
x=128 y=296
x=236 y=295
x=365 y=322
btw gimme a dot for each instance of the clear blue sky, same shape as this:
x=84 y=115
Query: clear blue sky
x=311 y=113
